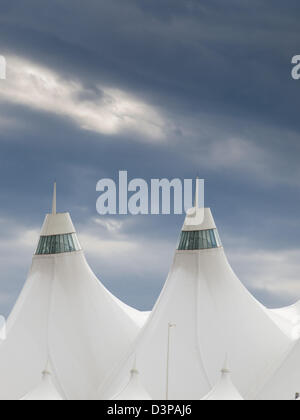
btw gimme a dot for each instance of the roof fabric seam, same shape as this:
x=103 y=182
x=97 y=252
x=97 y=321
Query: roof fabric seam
x=271 y=371
x=54 y=370
x=134 y=348
x=197 y=328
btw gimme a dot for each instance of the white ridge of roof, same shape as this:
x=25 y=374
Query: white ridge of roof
x=45 y=391
x=198 y=218
x=139 y=317
x=285 y=381
x=288 y=319
x=57 y=224
x=224 y=390
x=134 y=390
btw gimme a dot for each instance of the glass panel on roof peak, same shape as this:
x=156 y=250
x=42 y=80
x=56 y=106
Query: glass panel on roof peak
x=199 y=239
x=58 y=244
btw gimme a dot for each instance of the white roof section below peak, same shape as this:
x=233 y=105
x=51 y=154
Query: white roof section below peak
x=288 y=319
x=134 y=390
x=57 y=224
x=65 y=314
x=45 y=391
x=139 y=317
x=224 y=389
x=199 y=218
x=290 y=313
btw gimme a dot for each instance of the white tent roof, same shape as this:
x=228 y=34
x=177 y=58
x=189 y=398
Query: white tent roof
x=45 y=391
x=284 y=383
x=288 y=319
x=64 y=313
x=224 y=389
x=134 y=390
x=57 y=224
x=214 y=314
x=198 y=219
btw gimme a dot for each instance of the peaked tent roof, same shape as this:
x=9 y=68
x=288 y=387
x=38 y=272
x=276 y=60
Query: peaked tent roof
x=134 y=390
x=45 y=391
x=284 y=383
x=64 y=313
x=224 y=390
x=288 y=319
x=214 y=314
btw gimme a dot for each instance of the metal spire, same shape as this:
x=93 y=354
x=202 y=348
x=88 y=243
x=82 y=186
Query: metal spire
x=54 y=200
x=197 y=193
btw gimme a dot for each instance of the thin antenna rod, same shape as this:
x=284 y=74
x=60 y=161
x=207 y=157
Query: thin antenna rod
x=170 y=326
x=197 y=193
x=54 y=199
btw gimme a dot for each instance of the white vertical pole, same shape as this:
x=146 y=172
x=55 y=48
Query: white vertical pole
x=197 y=193
x=54 y=199
x=170 y=326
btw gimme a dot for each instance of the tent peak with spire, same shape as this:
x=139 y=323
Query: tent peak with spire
x=64 y=314
x=224 y=389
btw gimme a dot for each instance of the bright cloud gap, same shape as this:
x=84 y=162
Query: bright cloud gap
x=104 y=110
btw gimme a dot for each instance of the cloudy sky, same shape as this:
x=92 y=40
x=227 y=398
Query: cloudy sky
x=160 y=88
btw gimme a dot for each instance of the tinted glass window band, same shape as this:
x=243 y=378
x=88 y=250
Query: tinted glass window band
x=200 y=239
x=58 y=244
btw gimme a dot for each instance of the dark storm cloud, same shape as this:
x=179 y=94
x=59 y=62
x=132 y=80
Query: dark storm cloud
x=197 y=53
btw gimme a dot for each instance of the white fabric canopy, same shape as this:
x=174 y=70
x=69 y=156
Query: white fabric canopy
x=214 y=315
x=66 y=315
x=224 y=390
x=284 y=384
x=45 y=391
x=134 y=390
